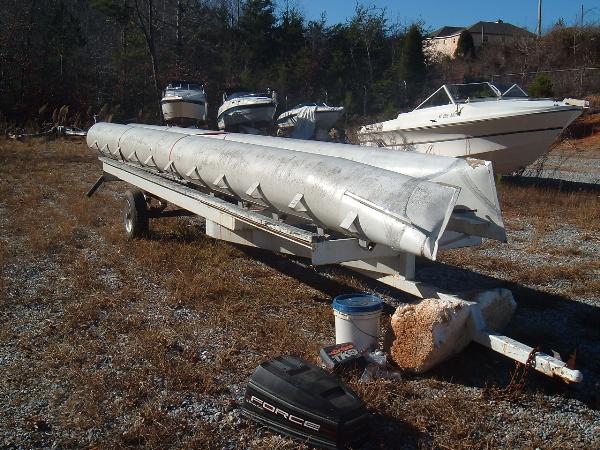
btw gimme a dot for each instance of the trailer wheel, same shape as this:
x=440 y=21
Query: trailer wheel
x=135 y=214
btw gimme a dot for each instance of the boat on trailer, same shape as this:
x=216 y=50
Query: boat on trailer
x=480 y=120
x=184 y=103
x=244 y=108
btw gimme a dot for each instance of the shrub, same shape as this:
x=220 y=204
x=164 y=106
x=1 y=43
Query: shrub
x=541 y=86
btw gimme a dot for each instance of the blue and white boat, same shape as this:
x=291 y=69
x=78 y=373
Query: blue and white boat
x=247 y=108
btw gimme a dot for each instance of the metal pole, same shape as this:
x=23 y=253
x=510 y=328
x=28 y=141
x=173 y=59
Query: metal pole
x=539 y=25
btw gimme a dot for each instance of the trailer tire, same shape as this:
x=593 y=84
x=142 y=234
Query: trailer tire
x=135 y=214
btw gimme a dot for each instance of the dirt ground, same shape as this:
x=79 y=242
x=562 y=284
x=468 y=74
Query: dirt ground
x=110 y=343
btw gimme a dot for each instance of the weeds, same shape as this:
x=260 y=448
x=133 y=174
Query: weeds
x=549 y=209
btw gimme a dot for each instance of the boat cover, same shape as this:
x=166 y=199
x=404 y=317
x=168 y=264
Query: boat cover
x=306 y=122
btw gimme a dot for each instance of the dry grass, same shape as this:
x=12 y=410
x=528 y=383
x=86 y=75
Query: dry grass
x=548 y=209
x=130 y=343
x=433 y=421
x=585 y=126
x=122 y=359
x=533 y=257
x=580 y=276
x=563 y=250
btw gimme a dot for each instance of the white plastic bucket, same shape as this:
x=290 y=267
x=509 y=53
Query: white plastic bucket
x=357 y=318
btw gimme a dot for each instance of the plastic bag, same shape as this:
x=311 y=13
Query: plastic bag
x=378 y=368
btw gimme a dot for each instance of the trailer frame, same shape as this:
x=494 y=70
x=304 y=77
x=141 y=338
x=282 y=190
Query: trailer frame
x=234 y=221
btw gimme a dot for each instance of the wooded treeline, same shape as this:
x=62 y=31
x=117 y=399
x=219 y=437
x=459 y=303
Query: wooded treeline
x=117 y=55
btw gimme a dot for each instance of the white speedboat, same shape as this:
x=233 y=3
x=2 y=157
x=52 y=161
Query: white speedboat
x=246 y=108
x=184 y=103
x=325 y=116
x=479 y=120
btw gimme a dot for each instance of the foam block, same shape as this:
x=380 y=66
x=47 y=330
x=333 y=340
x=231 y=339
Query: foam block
x=428 y=332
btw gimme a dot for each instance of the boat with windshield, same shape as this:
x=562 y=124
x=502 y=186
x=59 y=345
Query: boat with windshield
x=487 y=121
x=247 y=108
x=184 y=103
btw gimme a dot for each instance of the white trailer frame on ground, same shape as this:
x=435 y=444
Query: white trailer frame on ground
x=240 y=225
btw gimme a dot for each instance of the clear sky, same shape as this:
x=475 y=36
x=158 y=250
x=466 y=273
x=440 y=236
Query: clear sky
x=436 y=13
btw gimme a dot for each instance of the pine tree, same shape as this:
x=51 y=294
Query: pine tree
x=290 y=34
x=412 y=61
x=465 y=47
x=368 y=29
x=257 y=28
x=292 y=55
x=541 y=87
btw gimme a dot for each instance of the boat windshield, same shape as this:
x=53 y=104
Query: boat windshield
x=471 y=92
x=438 y=98
x=301 y=105
x=511 y=91
x=246 y=94
x=184 y=85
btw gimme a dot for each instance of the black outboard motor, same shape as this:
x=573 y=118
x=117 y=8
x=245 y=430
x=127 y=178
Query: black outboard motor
x=301 y=400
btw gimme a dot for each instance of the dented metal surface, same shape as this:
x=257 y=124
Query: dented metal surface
x=355 y=199
x=477 y=202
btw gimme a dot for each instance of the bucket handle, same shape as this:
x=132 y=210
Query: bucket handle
x=359 y=329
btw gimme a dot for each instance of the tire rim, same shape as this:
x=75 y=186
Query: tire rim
x=128 y=219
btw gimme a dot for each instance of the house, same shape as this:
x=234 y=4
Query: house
x=445 y=40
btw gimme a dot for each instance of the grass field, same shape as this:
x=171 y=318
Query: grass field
x=110 y=343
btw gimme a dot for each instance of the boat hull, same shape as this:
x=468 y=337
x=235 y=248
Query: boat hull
x=511 y=142
x=178 y=110
x=247 y=115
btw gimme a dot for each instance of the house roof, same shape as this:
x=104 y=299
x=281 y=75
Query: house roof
x=446 y=31
x=499 y=27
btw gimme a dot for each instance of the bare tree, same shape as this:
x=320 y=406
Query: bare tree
x=145 y=22
x=178 y=39
x=368 y=25
x=26 y=48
